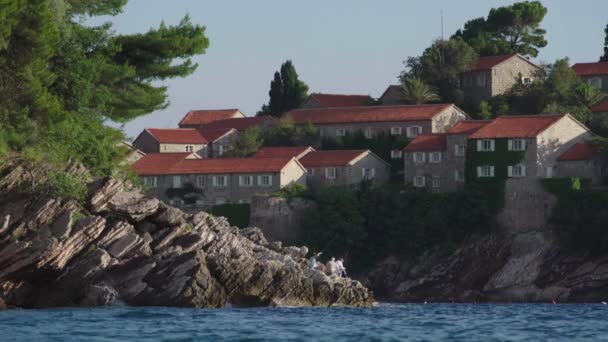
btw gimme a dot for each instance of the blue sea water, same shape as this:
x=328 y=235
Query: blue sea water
x=387 y=322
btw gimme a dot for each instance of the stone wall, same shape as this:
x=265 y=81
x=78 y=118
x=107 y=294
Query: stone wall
x=280 y=219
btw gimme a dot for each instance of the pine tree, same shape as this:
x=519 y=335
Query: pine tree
x=286 y=91
x=604 y=58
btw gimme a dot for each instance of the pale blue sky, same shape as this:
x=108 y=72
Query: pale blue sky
x=337 y=46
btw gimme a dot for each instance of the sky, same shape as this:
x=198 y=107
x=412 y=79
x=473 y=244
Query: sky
x=337 y=46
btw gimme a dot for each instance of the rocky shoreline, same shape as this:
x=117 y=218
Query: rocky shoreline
x=124 y=247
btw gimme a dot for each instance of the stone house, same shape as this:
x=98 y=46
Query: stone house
x=436 y=162
x=181 y=179
x=335 y=123
x=317 y=100
x=198 y=118
x=599 y=117
x=522 y=146
x=583 y=160
x=220 y=140
x=495 y=75
x=241 y=124
x=171 y=140
x=344 y=167
x=284 y=152
x=393 y=95
x=595 y=74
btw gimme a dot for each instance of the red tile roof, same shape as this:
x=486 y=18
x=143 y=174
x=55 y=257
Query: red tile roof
x=214 y=134
x=588 y=69
x=240 y=124
x=528 y=126
x=600 y=107
x=427 y=142
x=579 y=151
x=158 y=164
x=330 y=158
x=202 y=117
x=488 y=62
x=367 y=114
x=177 y=135
x=468 y=126
x=282 y=152
x=337 y=100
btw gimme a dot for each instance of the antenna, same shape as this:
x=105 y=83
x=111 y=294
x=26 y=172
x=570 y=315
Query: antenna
x=442 y=24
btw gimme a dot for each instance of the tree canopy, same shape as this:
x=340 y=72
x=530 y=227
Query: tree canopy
x=506 y=30
x=287 y=91
x=604 y=58
x=62 y=80
x=416 y=91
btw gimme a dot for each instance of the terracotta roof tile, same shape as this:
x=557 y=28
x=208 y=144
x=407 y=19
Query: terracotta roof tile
x=155 y=164
x=202 y=117
x=587 y=69
x=468 y=126
x=601 y=107
x=281 y=152
x=330 y=158
x=213 y=134
x=579 y=151
x=240 y=124
x=488 y=62
x=367 y=114
x=527 y=126
x=337 y=100
x=427 y=142
x=177 y=135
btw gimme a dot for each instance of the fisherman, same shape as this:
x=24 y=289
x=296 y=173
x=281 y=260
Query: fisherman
x=312 y=264
x=341 y=268
x=331 y=267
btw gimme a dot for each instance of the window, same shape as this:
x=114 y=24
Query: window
x=596 y=82
x=517 y=145
x=517 y=171
x=265 y=180
x=549 y=171
x=435 y=157
x=396 y=154
x=189 y=148
x=330 y=173
x=396 y=130
x=220 y=181
x=368 y=133
x=413 y=131
x=177 y=182
x=485 y=145
x=460 y=150
x=200 y=181
x=458 y=176
x=340 y=132
x=527 y=80
x=368 y=173
x=219 y=201
x=485 y=171
x=419 y=181
x=481 y=80
x=418 y=157
x=151 y=181
x=311 y=172
x=220 y=150
x=245 y=180
x=436 y=182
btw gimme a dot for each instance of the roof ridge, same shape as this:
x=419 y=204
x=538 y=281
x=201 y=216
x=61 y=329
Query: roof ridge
x=373 y=107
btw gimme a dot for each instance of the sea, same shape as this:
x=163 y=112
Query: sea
x=385 y=322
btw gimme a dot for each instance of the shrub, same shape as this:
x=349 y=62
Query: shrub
x=292 y=191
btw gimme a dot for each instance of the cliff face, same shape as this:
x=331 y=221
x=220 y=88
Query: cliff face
x=521 y=260
x=124 y=247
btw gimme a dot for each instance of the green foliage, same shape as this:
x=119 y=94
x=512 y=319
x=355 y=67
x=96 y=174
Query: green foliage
x=508 y=29
x=237 y=214
x=371 y=223
x=440 y=66
x=284 y=132
x=286 y=91
x=292 y=191
x=249 y=143
x=65 y=186
x=62 y=80
x=604 y=58
x=188 y=193
x=415 y=91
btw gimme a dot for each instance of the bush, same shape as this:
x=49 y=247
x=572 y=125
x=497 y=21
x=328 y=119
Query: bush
x=292 y=191
x=237 y=214
x=65 y=186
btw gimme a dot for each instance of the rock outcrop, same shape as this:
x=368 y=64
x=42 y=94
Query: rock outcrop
x=124 y=247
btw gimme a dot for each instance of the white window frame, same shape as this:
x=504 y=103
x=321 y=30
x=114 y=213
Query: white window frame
x=368 y=133
x=220 y=150
x=516 y=171
x=460 y=150
x=189 y=148
x=486 y=145
x=596 y=82
x=245 y=180
x=368 y=173
x=413 y=131
x=177 y=182
x=435 y=157
x=436 y=181
x=330 y=173
x=395 y=130
x=220 y=184
x=527 y=80
x=419 y=157
x=485 y=171
x=396 y=154
x=419 y=181
x=200 y=181
x=151 y=181
x=480 y=79
x=517 y=145
x=340 y=132
x=458 y=176
x=265 y=180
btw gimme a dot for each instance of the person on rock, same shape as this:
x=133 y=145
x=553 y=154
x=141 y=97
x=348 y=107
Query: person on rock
x=331 y=268
x=312 y=264
x=341 y=268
